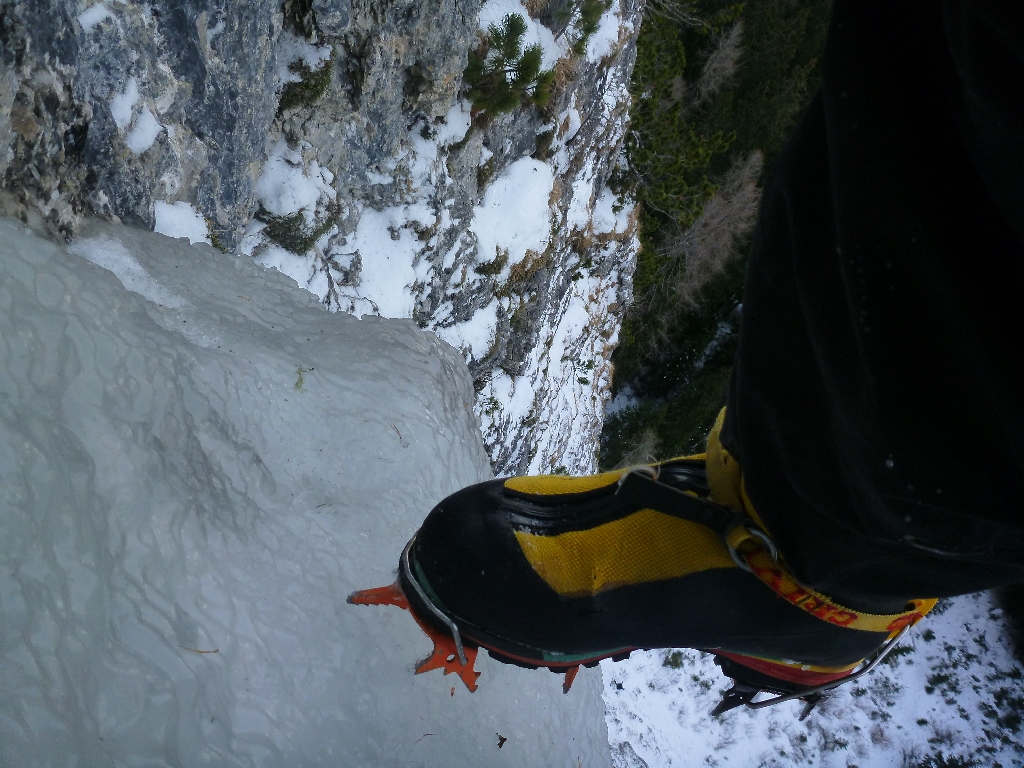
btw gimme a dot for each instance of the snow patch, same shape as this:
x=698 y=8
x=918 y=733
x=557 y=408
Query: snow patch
x=516 y=397
x=284 y=261
x=474 y=336
x=388 y=247
x=605 y=218
x=626 y=398
x=578 y=215
x=121 y=106
x=606 y=36
x=180 y=219
x=286 y=186
x=514 y=215
x=575 y=123
x=934 y=693
x=94 y=15
x=290 y=49
x=144 y=132
x=456 y=124
x=213 y=31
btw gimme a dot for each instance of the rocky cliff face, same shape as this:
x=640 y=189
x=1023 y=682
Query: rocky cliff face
x=114 y=106
x=331 y=139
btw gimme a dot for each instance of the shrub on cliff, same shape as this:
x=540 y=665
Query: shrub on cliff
x=293 y=232
x=590 y=18
x=309 y=89
x=502 y=75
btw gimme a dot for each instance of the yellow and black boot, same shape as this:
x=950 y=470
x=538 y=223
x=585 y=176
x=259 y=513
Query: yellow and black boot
x=560 y=571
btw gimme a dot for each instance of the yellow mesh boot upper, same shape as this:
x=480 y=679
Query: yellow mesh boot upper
x=644 y=546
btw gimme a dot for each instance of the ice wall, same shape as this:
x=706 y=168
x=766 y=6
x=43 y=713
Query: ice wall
x=194 y=473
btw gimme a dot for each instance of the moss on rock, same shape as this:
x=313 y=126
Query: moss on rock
x=309 y=89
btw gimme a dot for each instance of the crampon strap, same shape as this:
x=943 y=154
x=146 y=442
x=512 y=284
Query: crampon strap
x=752 y=549
x=748 y=545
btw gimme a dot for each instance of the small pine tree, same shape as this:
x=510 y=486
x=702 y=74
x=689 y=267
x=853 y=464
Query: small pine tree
x=590 y=19
x=502 y=75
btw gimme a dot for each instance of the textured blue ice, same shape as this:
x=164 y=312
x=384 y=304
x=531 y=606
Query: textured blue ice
x=190 y=485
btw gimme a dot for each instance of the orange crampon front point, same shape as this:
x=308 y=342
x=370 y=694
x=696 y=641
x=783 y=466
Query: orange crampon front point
x=445 y=655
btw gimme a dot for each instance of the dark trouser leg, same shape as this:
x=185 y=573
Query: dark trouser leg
x=876 y=401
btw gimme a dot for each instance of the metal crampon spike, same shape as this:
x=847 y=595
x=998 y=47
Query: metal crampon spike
x=737 y=696
x=445 y=655
x=809 y=704
x=742 y=694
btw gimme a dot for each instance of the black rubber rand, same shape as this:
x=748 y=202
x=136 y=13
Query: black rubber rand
x=467 y=559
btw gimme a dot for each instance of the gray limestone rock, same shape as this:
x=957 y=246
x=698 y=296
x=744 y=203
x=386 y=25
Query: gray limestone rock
x=112 y=107
x=200 y=77
x=121 y=105
x=332 y=16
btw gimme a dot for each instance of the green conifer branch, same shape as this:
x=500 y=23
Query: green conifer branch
x=501 y=75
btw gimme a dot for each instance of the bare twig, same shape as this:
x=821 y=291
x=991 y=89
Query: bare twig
x=720 y=65
x=710 y=243
x=683 y=11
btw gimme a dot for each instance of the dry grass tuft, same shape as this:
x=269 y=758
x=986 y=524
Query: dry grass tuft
x=557 y=190
x=536 y=7
x=493 y=268
x=644 y=452
x=566 y=69
x=529 y=266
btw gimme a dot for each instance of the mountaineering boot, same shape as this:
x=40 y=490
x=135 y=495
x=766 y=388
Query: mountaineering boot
x=560 y=571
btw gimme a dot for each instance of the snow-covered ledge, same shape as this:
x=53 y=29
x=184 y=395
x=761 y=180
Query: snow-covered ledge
x=194 y=473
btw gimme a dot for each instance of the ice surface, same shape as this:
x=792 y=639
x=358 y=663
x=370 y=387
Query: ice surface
x=187 y=495
x=111 y=255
